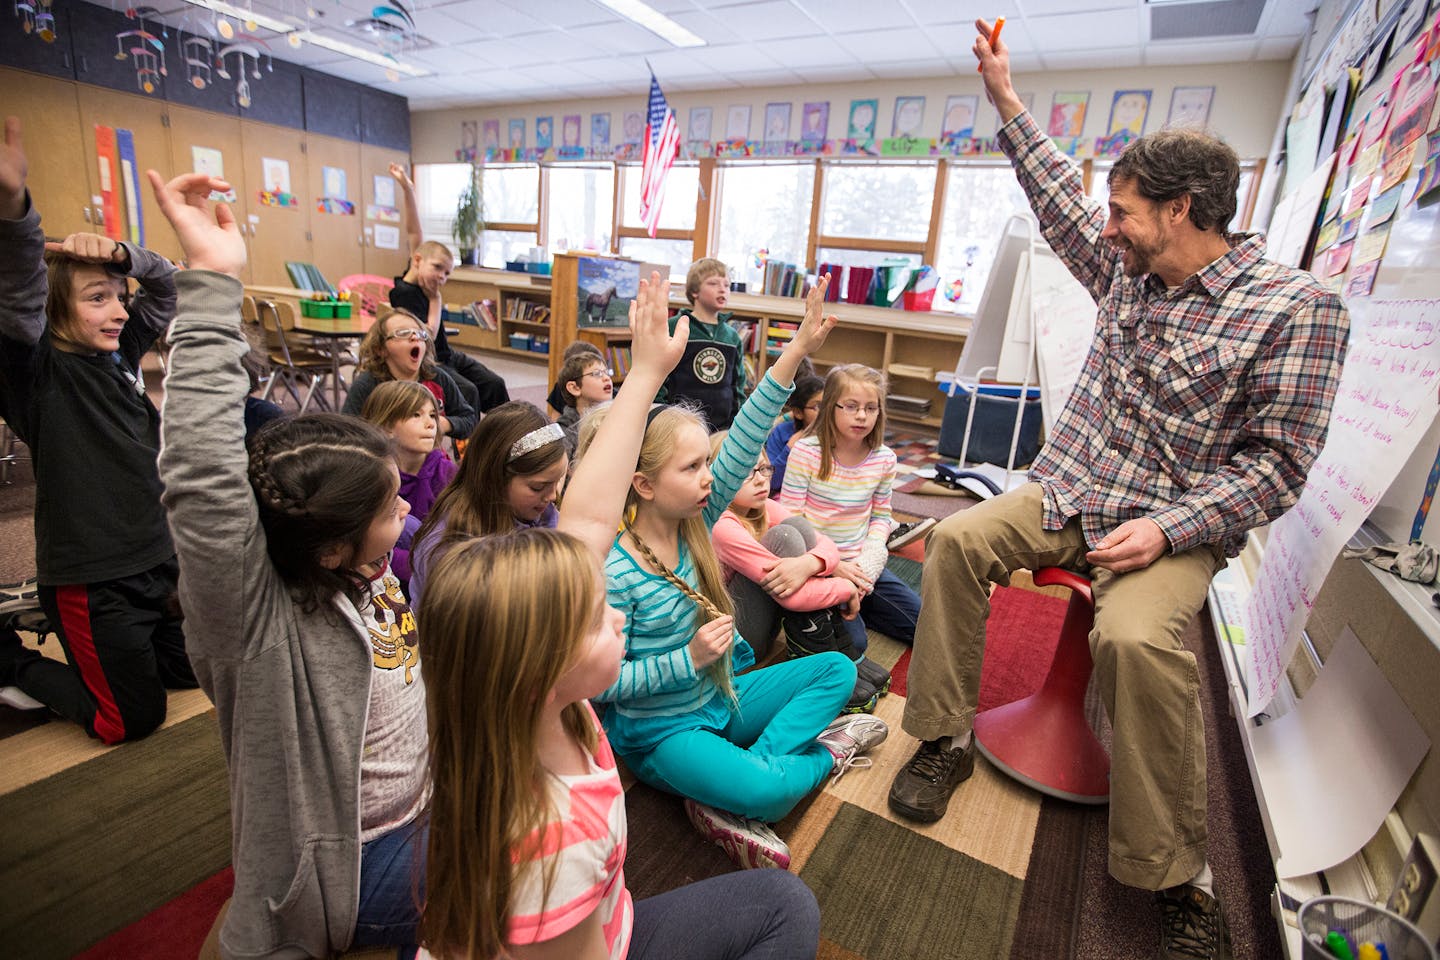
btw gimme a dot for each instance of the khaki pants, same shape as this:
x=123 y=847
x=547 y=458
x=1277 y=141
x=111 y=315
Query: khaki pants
x=1147 y=679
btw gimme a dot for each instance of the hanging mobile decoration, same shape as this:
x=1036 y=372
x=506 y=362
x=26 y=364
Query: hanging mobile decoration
x=249 y=47
x=36 y=18
x=145 y=48
x=199 y=53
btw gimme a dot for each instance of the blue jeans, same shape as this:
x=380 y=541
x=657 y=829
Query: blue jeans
x=392 y=885
x=892 y=608
x=766 y=758
x=749 y=915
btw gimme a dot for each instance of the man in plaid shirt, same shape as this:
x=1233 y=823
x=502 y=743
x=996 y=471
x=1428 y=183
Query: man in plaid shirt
x=1203 y=403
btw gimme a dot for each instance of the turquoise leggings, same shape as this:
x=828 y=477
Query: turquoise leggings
x=766 y=758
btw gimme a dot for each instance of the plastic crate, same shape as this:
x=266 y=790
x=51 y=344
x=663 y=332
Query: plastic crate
x=325 y=309
x=539 y=344
x=520 y=341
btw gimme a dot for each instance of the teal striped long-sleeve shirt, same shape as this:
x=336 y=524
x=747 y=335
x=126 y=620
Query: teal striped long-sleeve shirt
x=660 y=692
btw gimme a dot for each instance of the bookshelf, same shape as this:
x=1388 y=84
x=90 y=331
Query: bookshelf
x=915 y=349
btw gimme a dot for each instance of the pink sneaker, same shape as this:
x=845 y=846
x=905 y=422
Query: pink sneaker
x=748 y=843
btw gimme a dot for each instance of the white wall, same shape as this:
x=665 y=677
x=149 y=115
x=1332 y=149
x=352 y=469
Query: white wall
x=1247 y=104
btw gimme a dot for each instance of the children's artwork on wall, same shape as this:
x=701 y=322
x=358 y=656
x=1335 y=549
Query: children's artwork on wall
x=737 y=122
x=777 y=122
x=815 y=122
x=387 y=238
x=1067 y=114
x=275 y=191
x=544 y=133
x=909 y=113
x=1128 y=110
x=211 y=162
x=335 y=196
x=600 y=131
x=959 y=116
x=702 y=120
x=861 y=125
x=469 y=140
x=1190 y=106
x=570 y=130
x=491 y=135
x=383 y=208
x=517 y=134
x=634 y=126
x=605 y=288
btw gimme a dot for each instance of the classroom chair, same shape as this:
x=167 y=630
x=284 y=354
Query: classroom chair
x=292 y=368
x=367 y=292
x=8 y=456
x=1044 y=739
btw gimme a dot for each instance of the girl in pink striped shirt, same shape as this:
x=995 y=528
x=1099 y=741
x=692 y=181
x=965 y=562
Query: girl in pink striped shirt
x=839 y=478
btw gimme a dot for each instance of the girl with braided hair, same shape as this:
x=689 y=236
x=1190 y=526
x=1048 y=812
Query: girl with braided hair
x=741 y=749
x=298 y=630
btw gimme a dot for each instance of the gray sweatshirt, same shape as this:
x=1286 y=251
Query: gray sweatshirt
x=291 y=689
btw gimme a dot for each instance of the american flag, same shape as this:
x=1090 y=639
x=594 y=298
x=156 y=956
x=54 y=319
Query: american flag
x=662 y=143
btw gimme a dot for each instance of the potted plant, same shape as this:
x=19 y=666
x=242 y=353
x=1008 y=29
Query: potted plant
x=469 y=219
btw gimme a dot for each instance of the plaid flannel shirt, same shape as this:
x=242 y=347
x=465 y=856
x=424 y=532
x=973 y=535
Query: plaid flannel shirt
x=1201 y=407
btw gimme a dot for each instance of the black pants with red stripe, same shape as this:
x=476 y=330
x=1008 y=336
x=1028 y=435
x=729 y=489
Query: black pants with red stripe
x=125 y=647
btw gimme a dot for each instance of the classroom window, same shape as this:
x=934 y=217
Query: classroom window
x=511 y=192
x=497 y=247
x=763 y=206
x=580 y=202
x=437 y=192
x=677 y=210
x=878 y=201
x=979 y=198
x=677 y=254
x=1249 y=177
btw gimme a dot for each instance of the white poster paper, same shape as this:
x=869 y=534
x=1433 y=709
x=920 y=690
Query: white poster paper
x=1064 y=330
x=387 y=238
x=1332 y=768
x=1385 y=404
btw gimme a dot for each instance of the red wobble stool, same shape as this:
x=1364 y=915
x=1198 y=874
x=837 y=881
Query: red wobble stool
x=1044 y=740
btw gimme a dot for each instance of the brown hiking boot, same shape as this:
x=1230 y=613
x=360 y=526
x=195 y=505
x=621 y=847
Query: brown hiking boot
x=922 y=789
x=1192 y=925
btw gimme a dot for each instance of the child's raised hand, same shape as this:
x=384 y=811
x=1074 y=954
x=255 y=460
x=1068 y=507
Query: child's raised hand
x=401 y=177
x=653 y=348
x=88 y=247
x=211 y=240
x=817 y=325
x=711 y=641
x=13 y=167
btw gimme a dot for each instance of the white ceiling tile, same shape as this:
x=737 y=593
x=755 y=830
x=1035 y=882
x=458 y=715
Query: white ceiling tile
x=803 y=51
x=911 y=68
x=767 y=78
x=959 y=38
x=774 y=17
x=842 y=74
x=671 y=7
x=1026 y=63
x=929 y=12
x=621 y=38
x=442 y=29
x=1286 y=19
x=883 y=45
x=1098 y=59
x=1278 y=48
x=495 y=54
x=566 y=13
x=713 y=29
x=1085 y=31
x=735 y=58
x=1044 y=8
x=1168 y=54
x=495 y=18
x=841 y=16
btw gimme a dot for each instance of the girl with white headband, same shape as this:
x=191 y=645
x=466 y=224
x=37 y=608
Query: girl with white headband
x=509 y=478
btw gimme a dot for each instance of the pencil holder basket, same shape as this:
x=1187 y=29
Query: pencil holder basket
x=1358 y=922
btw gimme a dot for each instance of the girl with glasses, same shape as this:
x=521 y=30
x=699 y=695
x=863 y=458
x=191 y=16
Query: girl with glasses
x=398 y=347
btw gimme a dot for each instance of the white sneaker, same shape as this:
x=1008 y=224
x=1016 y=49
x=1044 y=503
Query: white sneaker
x=907 y=533
x=849 y=736
x=18 y=699
x=748 y=843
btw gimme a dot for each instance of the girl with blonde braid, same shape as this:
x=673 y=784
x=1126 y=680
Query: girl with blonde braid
x=741 y=749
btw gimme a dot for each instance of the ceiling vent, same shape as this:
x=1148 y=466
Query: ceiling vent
x=1203 y=20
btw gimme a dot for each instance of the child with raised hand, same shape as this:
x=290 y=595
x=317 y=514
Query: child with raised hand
x=70 y=388
x=297 y=629
x=398 y=347
x=405 y=410
x=509 y=478
x=527 y=823
x=802 y=407
x=839 y=479
x=780 y=573
x=742 y=749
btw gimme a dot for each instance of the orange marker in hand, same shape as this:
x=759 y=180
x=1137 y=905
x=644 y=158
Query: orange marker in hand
x=994 y=35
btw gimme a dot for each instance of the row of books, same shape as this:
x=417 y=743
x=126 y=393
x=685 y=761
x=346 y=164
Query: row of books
x=777 y=334
x=529 y=311
x=913 y=406
x=484 y=313
x=619 y=360
x=784 y=279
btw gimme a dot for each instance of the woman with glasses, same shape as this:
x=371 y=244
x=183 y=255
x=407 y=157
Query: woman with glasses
x=398 y=347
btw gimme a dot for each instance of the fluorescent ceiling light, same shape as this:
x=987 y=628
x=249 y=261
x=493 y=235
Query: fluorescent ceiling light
x=293 y=31
x=654 y=21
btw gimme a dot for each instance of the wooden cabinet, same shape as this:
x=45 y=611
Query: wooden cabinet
x=375 y=164
x=277 y=233
x=145 y=118
x=60 y=173
x=337 y=239
x=198 y=138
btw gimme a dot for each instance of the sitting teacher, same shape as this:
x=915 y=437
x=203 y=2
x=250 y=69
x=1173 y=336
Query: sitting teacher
x=1202 y=405
x=398 y=347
